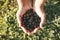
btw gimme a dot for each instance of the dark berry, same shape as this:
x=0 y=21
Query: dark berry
x=30 y=20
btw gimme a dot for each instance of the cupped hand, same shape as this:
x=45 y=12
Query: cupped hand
x=19 y=14
x=39 y=4
x=40 y=12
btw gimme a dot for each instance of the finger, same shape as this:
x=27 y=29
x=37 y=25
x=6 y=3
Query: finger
x=26 y=31
x=43 y=19
x=18 y=17
x=35 y=30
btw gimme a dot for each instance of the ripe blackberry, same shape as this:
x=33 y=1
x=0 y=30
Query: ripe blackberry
x=30 y=20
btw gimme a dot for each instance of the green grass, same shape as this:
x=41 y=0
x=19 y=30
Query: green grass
x=9 y=29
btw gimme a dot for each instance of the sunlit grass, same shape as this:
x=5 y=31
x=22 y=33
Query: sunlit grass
x=10 y=30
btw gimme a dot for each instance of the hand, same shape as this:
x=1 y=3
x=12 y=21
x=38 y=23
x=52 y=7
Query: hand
x=42 y=15
x=19 y=15
x=22 y=9
x=39 y=10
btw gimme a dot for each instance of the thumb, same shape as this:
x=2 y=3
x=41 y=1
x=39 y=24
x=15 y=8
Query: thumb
x=42 y=21
x=41 y=25
x=35 y=30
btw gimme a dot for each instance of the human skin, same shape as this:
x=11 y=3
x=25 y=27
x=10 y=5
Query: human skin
x=24 y=5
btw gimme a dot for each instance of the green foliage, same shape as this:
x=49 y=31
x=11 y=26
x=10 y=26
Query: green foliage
x=9 y=29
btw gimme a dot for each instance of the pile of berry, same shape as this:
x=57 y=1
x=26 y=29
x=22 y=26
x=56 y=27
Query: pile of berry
x=30 y=20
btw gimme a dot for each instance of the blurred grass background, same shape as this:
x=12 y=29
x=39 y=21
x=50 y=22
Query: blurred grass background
x=9 y=29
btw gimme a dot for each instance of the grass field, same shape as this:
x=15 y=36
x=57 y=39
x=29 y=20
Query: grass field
x=9 y=29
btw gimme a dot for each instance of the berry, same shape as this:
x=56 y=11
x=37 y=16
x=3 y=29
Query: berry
x=30 y=20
